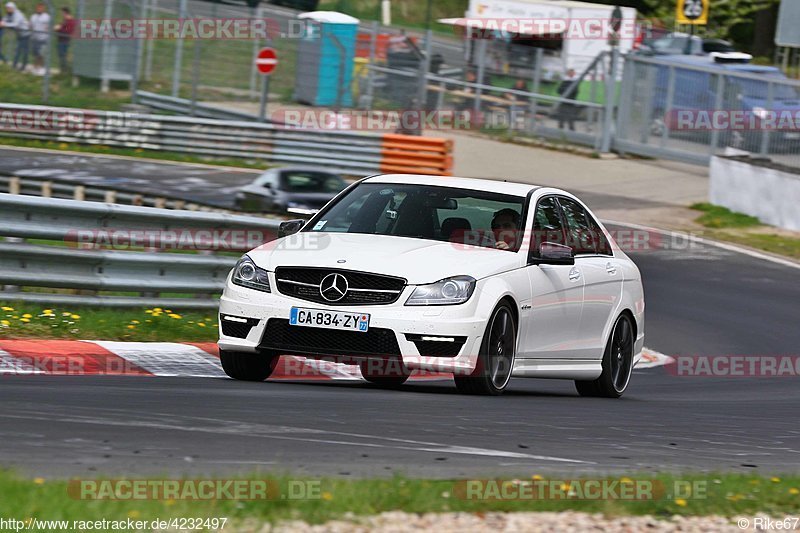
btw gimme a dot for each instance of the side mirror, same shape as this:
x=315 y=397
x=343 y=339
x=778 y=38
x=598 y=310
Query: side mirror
x=290 y=227
x=551 y=253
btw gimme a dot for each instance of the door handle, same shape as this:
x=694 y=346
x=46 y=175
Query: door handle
x=574 y=274
x=611 y=268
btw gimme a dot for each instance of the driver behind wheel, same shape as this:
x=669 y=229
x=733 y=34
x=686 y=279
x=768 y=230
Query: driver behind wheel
x=505 y=226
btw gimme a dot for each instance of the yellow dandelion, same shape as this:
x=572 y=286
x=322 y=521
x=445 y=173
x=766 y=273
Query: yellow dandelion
x=5 y=322
x=625 y=480
x=134 y=514
x=26 y=320
x=775 y=479
x=75 y=317
x=327 y=496
x=536 y=477
x=149 y=311
x=47 y=312
x=66 y=313
x=680 y=502
x=201 y=324
x=130 y=326
x=63 y=146
x=7 y=308
x=794 y=492
x=157 y=309
x=27 y=315
x=170 y=502
x=38 y=480
x=176 y=316
x=135 y=322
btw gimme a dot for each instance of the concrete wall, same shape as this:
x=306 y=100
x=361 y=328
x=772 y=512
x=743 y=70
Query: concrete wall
x=771 y=195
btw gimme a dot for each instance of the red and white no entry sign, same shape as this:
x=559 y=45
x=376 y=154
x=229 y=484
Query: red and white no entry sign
x=267 y=60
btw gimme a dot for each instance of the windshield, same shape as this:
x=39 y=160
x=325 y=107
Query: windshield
x=302 y=181
x=427 y=212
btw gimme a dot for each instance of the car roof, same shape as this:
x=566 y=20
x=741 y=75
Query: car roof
x=707 y=61
x=499 y=186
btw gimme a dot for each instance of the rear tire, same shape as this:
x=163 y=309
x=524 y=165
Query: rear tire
x=388 y=373
x=248 y=366
x=617 y=363
x=496 y=358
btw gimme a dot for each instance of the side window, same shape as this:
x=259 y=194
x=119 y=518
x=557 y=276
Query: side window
x=547 y=226
x=602 y=246
x=580 y=235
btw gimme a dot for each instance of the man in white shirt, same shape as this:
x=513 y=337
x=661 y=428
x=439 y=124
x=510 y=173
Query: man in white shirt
x=40 y=26
x=15 y=20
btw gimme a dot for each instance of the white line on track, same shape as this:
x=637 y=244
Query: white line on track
x=709 y=242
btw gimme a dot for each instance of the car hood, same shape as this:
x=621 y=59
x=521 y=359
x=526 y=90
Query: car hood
x=417 y=260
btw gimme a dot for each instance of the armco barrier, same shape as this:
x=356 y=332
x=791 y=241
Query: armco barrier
x=353 y=153
x=67 y=265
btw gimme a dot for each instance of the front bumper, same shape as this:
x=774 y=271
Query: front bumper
x=462 y=320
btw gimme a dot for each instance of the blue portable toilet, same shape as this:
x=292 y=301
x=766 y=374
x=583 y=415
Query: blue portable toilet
x=325 y=55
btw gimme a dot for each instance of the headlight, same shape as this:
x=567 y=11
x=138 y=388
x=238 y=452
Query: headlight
x=247 y=274
x=760 y=112
x=456 y=290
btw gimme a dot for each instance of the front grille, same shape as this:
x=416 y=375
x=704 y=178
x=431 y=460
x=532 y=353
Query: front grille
x=364 y=288
x=286 y=339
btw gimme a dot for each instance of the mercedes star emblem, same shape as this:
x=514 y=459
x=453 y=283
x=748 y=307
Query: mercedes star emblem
x=333 y=287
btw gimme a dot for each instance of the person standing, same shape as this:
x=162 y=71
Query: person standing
x=567 y=111
x=40 y=36
x=2 y=57
x=64 y=32
x=17 y=21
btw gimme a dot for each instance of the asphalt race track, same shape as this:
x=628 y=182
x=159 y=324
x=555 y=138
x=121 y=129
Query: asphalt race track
x=701 y=300
x=194 y=183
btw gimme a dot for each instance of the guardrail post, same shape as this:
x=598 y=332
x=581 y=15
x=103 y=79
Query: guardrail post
x=47 y=189
x=14 y=185
x=110 y=197
x=79 y=193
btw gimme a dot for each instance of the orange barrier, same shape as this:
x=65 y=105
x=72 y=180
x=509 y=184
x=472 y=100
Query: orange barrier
x=409 y=154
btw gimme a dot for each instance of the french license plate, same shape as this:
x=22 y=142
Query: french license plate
x=320 y=318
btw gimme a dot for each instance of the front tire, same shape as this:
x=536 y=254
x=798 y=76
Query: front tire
x=617 y=364
x=496 y=358
x=248 y=366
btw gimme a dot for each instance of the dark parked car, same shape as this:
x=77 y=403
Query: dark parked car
x=295 y=191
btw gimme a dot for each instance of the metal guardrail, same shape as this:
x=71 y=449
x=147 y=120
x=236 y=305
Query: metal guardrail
x=74 y=189
x=354 y=153
x=185 y=107
x=77 y=263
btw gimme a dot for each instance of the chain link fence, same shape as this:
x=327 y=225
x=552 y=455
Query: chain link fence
x=691 y=109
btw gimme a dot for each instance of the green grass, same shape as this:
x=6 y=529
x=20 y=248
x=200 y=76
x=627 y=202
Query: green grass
x=717 y=217
x=727 y=225
x=727 y=495
x=137 y=152
x=38 y=321
x=22 y=88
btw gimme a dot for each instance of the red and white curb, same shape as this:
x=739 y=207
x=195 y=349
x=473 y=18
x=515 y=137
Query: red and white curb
x=58 y=357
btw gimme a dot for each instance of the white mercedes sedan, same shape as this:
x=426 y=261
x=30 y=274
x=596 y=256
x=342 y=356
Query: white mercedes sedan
x=479 y=278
